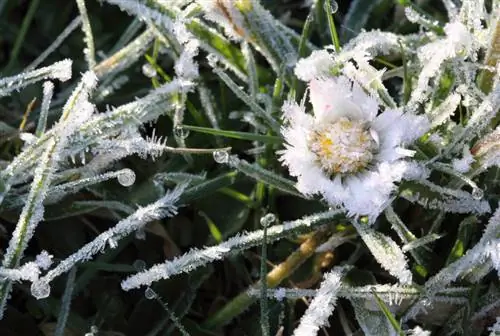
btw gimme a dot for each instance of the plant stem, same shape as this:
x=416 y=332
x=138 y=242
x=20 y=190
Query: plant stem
x=241 y=302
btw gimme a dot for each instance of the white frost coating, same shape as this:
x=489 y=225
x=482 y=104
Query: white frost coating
x=458 y=43
x=373 y=43
x=463 y=165
x=445 y=110
x=387 y=253
x=144 y=13
x=76 y=109
x=60 y=70
x=185 y=67
x=48 y=92
x=345 y=151
x=44 y=260
x=318 y=64
x=495 y=329
x=392 y=295
x=486 y=250
x=196 y=258
x=418 y=331
x=459 y=37
x=448 y=200
x=164 y=207
x=322 y=306
x=29 y=271
x=224 y=13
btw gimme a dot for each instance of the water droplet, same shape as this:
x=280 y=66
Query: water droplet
x=181 y=132
x=150 y=293
x=477 y=193
x=148 y=70
x=331 y=6
x=267 y=220
x=139 y=265
x=126 y=177
x=40 y=289
x=221 y=156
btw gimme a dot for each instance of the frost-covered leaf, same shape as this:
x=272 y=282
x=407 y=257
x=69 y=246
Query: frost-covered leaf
x=387 y=253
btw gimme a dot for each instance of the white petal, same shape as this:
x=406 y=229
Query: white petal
x=332 y=99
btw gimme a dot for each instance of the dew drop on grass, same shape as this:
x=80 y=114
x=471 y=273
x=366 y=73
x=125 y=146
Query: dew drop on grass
x=126 y=177
x=148 y=70
x=139 y=265
x=181 y=132
x=331 y=6
x=221 y=156
x=267 y=220
x=40 y=289
x=149 y=293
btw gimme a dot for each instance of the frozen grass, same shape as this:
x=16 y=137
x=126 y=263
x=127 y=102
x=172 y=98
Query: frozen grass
x=246 y=167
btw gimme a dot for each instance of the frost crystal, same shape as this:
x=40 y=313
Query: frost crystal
x=463 y=165
x=318 y=64
x=44 y=260
x=225 y=13
x=322 y=305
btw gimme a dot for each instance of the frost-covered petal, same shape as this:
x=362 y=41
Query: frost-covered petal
x=370 y=192
x=459 y=36
x=396 y=127
x=332 y=99
x=317 y=65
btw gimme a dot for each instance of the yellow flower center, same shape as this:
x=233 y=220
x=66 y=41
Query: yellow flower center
x=343 y=147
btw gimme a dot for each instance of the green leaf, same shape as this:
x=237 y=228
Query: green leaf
x=371 y=319
x=465 y=231
x=394 y=323
x=267 y=177
x=214 y=230
x=207 y=188
x=236 y=135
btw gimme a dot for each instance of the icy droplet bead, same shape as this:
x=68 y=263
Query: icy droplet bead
x=40 y=289
x=267 y=220
x=331 y=6
x=221 y=156
x=149 y=293
x=148 y=70
x=126 y=177
x=139 y=265
x=181 y=132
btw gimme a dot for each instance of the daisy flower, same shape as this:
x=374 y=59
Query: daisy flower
x=346 y=150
